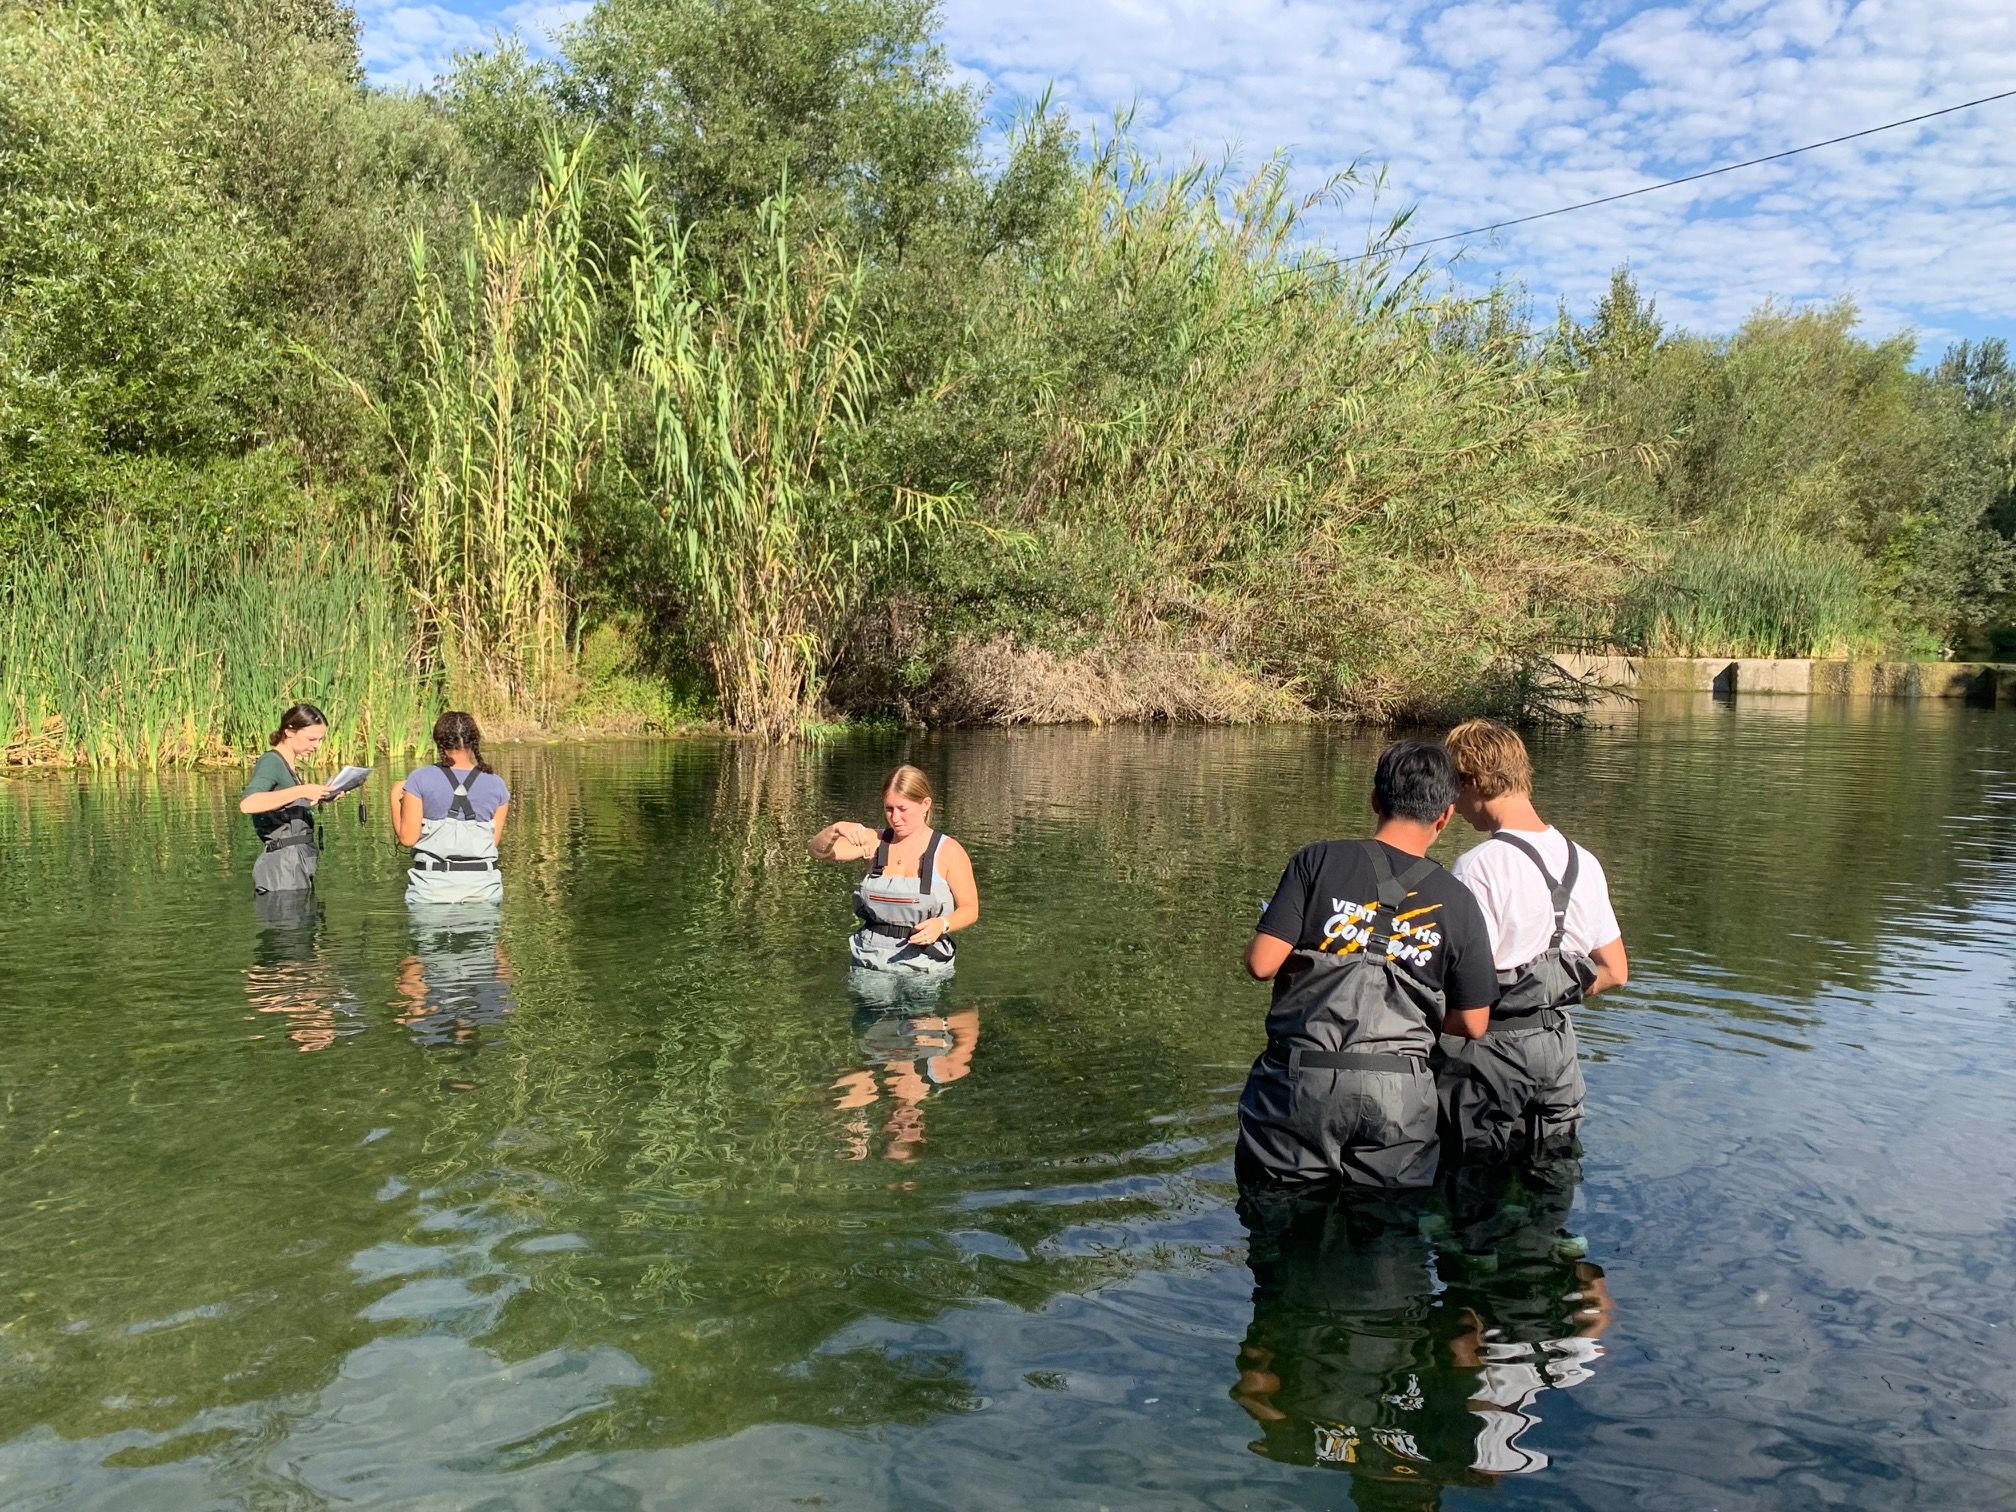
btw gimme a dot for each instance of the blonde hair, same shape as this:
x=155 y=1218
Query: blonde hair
x=1490 y=757
x=909 y=782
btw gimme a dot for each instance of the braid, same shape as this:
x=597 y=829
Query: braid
x=456 y=731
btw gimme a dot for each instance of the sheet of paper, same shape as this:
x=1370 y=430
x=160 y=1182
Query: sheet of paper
x=350 y=777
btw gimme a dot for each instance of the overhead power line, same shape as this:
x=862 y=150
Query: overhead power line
x=1691 y=178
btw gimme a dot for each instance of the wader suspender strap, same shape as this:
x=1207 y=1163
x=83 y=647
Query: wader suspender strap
x=1558 y=893
x=459 y=807
x=923 y=865
x=1393 y=890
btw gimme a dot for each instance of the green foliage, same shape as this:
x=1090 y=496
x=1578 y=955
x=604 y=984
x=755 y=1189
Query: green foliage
x=115 y=653
x=1168 y=396
x=1749 y=595
x=754 y=388
x=186 y=198
x=510 y=416
x=746 y=360
x=1795 y=430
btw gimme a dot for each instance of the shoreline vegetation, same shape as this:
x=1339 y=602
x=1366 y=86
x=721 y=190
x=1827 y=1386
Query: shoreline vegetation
x=734 y=369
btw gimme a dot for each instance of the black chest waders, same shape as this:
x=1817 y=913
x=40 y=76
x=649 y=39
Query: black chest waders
x=455 y=858
x=1343 y=1093
x=889 y=909
x=1519 y=1088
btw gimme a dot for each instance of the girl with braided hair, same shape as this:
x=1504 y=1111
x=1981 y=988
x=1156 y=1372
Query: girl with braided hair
x=452 y=815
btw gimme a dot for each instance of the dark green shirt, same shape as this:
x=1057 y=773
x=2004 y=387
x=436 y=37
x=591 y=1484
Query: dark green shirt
x=270 y=773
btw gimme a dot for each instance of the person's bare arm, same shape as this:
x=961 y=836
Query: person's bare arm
x=958 y=869
x=1613 y=967
x=497 y=822
x=1266 y=955
x=408 y=813
x=279 y=798
x=1467 y=1023
x=844 y=840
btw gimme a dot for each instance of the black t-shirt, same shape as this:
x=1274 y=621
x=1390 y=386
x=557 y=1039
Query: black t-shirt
x=1330 y=886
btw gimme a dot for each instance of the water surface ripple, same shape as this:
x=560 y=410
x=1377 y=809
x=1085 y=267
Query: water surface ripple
x=623 y=1202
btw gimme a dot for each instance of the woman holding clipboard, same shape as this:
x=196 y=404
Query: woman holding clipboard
x=282 y=806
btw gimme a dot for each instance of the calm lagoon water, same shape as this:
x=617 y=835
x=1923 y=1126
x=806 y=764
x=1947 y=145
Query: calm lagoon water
x=625 y=1203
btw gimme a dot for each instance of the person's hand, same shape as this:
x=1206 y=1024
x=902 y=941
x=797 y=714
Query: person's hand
x=858 y=835
x=311 y=792
x=930 y=932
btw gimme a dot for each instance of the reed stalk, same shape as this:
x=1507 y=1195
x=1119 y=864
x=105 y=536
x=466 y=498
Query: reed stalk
x=755 y=382
x=512 y=415
x=115 y=652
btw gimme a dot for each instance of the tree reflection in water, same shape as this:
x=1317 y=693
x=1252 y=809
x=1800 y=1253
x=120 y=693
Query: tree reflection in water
x=1409 y=1346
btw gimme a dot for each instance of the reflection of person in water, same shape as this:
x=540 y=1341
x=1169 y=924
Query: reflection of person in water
x=910 y=1048
x=457 y=981
x=1410 y=1351
x=288 y=975
x=1535 y=1307
x=1347 y=1363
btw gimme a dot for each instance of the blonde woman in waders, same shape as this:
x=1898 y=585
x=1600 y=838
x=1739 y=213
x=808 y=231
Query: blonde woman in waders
x=452 y=815
x=282 y=807
x=918 y=891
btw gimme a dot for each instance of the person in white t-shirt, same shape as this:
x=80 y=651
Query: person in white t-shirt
x=1554 y=941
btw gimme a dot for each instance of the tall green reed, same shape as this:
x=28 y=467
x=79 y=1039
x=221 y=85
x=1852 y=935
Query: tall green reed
x=1754 y=594
x=116 y=651
x=755 y=383
x=510 y=414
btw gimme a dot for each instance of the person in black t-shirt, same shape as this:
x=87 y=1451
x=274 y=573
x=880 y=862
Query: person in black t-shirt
x=1372 y=949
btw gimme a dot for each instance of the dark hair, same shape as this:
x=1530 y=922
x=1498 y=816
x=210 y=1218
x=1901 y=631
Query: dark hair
x=300 y=717
x=456 y=731
x=1415 y=779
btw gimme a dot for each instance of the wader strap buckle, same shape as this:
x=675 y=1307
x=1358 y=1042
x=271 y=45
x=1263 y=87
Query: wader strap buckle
x=1558 y=893
x=426 y=861
x=459 y=806
x=281 y=842
x=1393 y=890
x=1352 y=1060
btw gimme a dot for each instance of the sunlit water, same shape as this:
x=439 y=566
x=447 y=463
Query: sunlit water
x=627 y=1204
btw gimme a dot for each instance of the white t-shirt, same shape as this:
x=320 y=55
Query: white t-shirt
x=1517 y=910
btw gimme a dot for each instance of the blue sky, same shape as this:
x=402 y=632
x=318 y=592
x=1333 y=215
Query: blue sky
x=1481 y=112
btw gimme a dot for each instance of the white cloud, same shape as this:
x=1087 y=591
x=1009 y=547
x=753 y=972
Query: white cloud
x=409 y=46
x=1486 y=111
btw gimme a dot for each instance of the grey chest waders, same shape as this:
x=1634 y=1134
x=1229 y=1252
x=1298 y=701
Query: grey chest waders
x=287 y=863
x=891 y=908
x=1342 y=1092
x=455 y=858
x=1520 y=1087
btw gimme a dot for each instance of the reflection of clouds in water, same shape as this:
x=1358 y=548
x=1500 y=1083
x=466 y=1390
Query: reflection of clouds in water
x=909 y=1049
x=289 y=975
x=457 y=982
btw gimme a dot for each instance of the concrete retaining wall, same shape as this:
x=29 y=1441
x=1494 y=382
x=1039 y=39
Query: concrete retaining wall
x=1977 y=682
